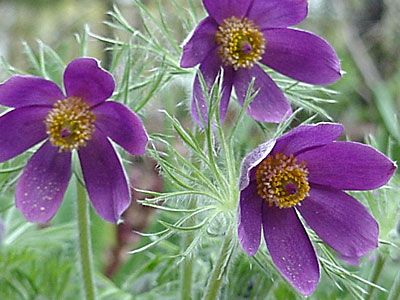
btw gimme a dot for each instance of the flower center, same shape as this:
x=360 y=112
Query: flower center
x=282 y=181
x=241 y=42
x=70 y=124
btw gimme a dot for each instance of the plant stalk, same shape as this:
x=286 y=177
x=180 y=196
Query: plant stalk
x=395 y=290
x=85 y=249
x=188 y=262
x=376 y=272
x=187 y=270
x=218 y=273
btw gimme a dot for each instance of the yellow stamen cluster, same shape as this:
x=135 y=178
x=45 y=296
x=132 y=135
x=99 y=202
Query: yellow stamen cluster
x=241 y=42
x=282 y=181
x=70 y=124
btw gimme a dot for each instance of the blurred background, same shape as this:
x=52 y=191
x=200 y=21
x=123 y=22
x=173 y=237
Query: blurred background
x=365 y=34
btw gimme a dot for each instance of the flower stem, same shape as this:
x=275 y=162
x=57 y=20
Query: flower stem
x=395 y=290
x=217 y=276
x=187 y=270
x=376 y=272
x=85 y=248
x=187 y=264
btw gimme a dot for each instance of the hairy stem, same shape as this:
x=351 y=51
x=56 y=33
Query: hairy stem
x=187 y=264
x=187 y=270
x=395 y=290
x=218 y=273
x=375 y=274
x=85 y=248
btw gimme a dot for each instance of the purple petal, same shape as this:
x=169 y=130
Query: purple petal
x=249 y=221
x=19 y=91
x=226 y=94
x=340 y=221
x=353 y=261
x=348 y=166
x=20 y=129
x=104 y=178
x=223 y=9
x=277 y=13
x=290 y=248
x=209 y=69
x=301 y=55
x=42 y=185
x=84 y=78
x=200 y=44
x=253 y=159
x=270 y=105
x=306 y=137
x=122 y=125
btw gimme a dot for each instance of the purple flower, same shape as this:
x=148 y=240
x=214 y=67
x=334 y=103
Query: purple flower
x=306 y=171
x=82 y=120
x=238 y=34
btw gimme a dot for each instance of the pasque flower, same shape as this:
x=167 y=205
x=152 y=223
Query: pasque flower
x=82 y=120
x=237 y=35
x=305 y=172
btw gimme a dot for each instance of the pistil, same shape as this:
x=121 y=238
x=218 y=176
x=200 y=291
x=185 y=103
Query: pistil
x=282 y=181
x=70 y=124
x=241 y=43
